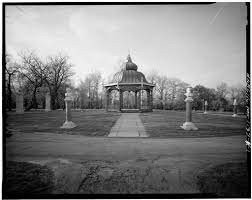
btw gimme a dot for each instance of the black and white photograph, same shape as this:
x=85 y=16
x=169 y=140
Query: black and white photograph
x=126 y=100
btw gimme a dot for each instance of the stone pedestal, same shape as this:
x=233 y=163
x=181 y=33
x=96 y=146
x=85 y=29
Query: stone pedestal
x=235 y=108
x=48 y=102
x=68 y=100
x=188 y=125
x=206 y=104
x=19 y=103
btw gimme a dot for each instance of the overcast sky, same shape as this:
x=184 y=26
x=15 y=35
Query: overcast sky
x=199 y=44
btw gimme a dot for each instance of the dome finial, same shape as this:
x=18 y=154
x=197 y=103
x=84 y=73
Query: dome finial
x=128 y=57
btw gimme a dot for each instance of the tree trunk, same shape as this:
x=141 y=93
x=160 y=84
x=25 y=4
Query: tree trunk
x=53 y=102
x=34 y=99
x=54 y=99
x=9 y=94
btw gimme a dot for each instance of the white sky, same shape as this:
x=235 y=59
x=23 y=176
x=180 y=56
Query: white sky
x=200 y=44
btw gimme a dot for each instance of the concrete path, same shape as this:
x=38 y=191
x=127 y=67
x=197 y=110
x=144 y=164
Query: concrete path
x=128 y=125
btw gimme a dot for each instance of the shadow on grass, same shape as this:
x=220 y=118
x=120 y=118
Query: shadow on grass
x=229 y=180
x=27 y=178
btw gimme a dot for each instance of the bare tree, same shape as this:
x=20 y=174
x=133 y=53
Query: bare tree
x=91 y=90
x=238 y=92
x=11 y=70
x=175 y=90
x=161 y=86
x=222 y=91
x=33 y=71
x=58 y=73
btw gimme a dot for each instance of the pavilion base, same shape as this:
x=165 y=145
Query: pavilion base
x=189 y=126
x=68 y=125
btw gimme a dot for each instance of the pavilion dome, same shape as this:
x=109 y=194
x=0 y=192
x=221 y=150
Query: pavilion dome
x=130 y=65
x=129 y=74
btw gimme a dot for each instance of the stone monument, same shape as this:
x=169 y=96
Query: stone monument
x=188 y=125
x=235 y=108
x=68 y=100
x=48 y=102
x=19 y=102
x=206 y=104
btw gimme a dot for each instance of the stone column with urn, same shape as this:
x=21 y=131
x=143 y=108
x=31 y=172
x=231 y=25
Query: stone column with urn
x=48 y=102
x=189 y=125
x=19 y=102
x=206 y=104
x=68 y=101
x=235 y=108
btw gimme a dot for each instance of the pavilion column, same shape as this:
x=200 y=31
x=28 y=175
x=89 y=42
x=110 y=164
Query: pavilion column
x=135 y=99
x=148 y=99
x=139 y=99
x=121 y=100
x=107 y=100
x=151 y=99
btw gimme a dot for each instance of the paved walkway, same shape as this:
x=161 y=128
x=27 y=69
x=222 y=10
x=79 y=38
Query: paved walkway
x=128 y=125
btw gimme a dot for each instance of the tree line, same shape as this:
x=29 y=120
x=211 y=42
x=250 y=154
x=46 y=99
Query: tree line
x=36 y=76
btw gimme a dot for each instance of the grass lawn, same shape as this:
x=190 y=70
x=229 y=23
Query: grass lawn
x=227 y=180
x=90 y=123
x=167 y=124
x=99 y=123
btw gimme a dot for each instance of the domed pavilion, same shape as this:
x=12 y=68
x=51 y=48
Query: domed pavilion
x=131 y=80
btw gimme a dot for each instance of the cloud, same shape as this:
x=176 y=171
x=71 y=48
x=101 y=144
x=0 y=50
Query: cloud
x=88 y=26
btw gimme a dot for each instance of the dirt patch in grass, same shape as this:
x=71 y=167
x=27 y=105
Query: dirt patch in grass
x=27 y=178
x=89 y=123
x=108 y=177
x=227 y=180
x=167 y=124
